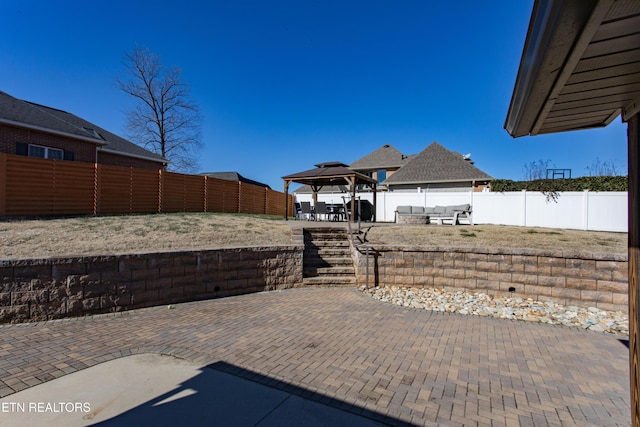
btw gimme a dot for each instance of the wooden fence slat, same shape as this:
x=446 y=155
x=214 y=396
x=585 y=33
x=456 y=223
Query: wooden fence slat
x=31 y=186
x=3 y=186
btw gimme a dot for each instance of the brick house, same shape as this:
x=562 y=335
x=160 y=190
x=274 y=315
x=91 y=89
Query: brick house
x=34 y=130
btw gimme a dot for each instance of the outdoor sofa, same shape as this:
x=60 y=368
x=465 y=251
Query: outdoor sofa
x=422 y=215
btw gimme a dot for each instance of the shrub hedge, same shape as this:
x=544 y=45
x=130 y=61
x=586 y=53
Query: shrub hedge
x=591 y=183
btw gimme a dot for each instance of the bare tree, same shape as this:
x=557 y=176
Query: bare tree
x=535 y=170
x=164 y=119
x=606 y=168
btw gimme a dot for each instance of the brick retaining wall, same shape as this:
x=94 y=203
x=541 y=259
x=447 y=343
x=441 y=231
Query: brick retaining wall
x=43 y=289
x=565 y=278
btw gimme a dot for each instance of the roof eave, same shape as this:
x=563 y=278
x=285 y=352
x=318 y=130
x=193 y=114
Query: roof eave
x=51 y=131
x=554 y=30
x=440 y=181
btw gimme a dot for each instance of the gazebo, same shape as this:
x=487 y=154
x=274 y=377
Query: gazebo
x=580 y=69
x=330 y=173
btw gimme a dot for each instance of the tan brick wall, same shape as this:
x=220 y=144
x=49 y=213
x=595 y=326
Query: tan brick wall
x=32 y=290
x=569 y=279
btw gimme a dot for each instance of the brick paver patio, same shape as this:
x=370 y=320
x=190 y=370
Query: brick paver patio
x=339 y=346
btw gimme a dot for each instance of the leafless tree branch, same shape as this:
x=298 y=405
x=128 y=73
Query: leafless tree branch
x=163 y=119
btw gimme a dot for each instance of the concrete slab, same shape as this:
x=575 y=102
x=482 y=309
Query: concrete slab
x=150 y=389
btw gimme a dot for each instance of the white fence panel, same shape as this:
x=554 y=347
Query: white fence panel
x=607 y=211
x=597 y=211
x=498 y=208
x=566 y=212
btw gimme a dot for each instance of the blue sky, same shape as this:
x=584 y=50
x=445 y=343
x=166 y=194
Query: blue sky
x=283 y=85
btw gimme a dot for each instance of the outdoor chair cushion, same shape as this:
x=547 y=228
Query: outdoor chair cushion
x=464 y=207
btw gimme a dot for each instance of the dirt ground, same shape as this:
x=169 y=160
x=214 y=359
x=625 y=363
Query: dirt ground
x=151 y=233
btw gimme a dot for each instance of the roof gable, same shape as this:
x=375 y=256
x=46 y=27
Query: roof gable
x=26 y=113
x=436 y=164
x=384 y=157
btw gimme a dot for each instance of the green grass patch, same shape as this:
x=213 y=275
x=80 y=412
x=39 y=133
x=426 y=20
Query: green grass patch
x=466 y=233
x=543 y=232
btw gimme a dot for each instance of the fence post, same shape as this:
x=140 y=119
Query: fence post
x=206 y=181
x=524 y=208
x=585 y=206
x=266 y=201
x=96 y=189
x=160 y=189
x=3 y=184
x=239 y=196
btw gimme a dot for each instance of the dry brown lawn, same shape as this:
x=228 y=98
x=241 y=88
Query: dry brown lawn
x=499 y=236
x=151 y=233
x=110 y=235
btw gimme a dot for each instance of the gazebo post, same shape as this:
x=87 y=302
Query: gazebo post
x=633 y=142
x=286 y=199
x=375 y=203
x=315 y=190
x=352 y=183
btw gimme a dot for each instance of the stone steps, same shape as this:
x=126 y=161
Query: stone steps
x=327 y=258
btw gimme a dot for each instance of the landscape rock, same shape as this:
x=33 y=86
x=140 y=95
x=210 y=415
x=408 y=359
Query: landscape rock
x=481 y=304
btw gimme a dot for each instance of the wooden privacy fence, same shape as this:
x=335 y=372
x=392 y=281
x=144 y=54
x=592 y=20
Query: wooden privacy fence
x=39 y=187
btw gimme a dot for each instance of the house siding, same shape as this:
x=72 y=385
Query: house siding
x=11 y=135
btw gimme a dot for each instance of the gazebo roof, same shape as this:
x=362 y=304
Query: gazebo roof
x=329 y=173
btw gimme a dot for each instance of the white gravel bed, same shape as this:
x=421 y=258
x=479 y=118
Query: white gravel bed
x=481 y=304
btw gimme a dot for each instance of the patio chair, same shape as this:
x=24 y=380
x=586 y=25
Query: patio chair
x=305 y=210
x=321 y=209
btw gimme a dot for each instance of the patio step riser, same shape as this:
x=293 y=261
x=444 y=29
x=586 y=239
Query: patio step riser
x=329 y=271
x=328 y=262
x=329 y=281
x=326 y=242
x=327 y=253
x=326 y=232
x=327 y=250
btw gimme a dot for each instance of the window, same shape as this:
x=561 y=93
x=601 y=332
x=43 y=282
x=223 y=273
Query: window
x=45 y=152
x=382 y=175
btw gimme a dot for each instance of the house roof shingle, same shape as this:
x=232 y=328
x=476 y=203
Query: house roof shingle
x=384 y=157
x=329 y=173
x=327 y=189
x=234 y=176
x=437 y=164
x=24 y=113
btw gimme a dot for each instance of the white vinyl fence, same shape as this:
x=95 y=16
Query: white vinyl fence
x=583 y=210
